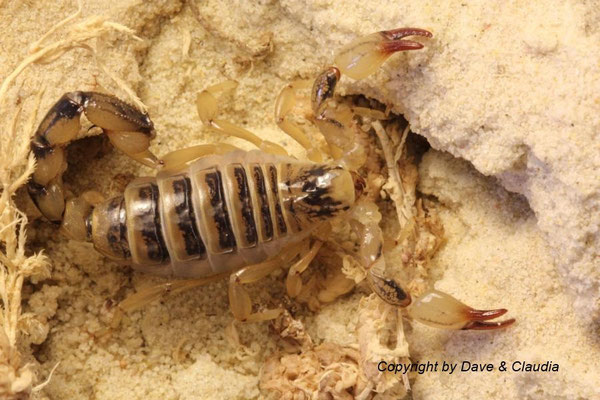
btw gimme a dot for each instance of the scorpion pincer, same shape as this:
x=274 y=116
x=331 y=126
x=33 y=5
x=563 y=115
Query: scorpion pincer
x=214 y=210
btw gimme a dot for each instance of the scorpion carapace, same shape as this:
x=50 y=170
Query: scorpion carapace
x=214 y=210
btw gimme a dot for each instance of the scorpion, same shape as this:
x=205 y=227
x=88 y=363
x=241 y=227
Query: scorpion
x=214 y=210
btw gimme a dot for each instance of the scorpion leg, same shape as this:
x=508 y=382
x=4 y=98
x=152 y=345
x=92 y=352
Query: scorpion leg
x=179 y=158
x=155 y=292
x=286 y=101
x=208 y=108
x=239 y=299
x=240 y=302
x=294 y=281
x=128 y=129
x=434 y=308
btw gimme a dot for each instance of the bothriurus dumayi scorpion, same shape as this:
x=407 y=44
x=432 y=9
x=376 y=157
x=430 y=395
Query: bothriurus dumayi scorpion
x=214 y=210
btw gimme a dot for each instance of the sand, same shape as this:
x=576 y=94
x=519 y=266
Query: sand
x=504 y=93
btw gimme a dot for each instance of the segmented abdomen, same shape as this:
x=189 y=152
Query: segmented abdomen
x=219 y=213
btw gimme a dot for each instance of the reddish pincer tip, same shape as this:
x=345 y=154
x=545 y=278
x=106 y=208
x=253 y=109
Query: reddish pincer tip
x=402 y=45
x=477 y=319
x=393 y=42
x=397 y=34
x=484 y=315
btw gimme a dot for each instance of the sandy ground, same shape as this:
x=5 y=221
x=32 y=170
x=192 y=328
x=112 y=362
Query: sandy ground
x=509 y=87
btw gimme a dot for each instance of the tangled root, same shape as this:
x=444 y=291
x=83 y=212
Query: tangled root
x=331 y=371
x=328 y=371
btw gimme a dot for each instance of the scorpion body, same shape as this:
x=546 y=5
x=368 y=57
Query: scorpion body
x=219 y=213
x=214 y=210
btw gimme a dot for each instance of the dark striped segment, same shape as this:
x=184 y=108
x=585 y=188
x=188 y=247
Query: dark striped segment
x=116 y=235
x=179 y=218
x=109 y=228
x=265 y=221
x=59 y=126
x=290 y=194
x=143 y=221
x=219 y=234
x=187 y=218
x=280 y=222
x=241 y=202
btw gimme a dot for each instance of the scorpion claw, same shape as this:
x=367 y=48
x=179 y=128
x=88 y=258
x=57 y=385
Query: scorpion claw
x=392 y=47
x=397 y=34
x=441 y=310
x=484 y=315
x=486 y=326
x=365 y=55
x=478 y=316
x=394 y=42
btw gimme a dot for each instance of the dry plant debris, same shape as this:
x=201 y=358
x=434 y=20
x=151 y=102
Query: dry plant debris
x=330 y=371
x=16 y=376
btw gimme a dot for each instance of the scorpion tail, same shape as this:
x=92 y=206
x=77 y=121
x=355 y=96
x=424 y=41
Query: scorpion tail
x=129 y=129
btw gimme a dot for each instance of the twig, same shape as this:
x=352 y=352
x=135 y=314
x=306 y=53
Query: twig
x=403 y=208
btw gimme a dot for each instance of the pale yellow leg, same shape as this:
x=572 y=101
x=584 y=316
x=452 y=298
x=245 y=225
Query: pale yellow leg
x=285 y=102
x=73 y=224
x=294 y=281
x=240 y=302
x=76 y=211
x=364 y=221
x=239 y=299
x=149 y=294
x=208 y=108
x=179 y=158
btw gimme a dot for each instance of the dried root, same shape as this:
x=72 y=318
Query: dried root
x=381 y=337
x=78 y=36
x=328 y=371
x=420 y=233
x=402 y=191
x=291 y=331
x=16 y=377
x=331 y=371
